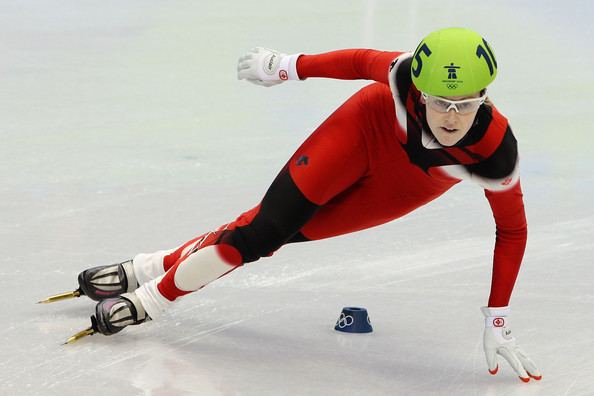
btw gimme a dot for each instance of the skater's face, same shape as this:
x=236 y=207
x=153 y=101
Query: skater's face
x=451 y=117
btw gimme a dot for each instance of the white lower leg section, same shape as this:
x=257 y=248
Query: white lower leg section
x=201 y=268
x=151 y=299
x=149 y=266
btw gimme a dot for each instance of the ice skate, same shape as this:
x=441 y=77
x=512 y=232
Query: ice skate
x=108 y=281
x=99 y=283
x=113 y=314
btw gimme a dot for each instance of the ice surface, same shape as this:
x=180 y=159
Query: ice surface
x=124 y=130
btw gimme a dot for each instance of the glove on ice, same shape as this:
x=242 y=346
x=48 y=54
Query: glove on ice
x=498 y=340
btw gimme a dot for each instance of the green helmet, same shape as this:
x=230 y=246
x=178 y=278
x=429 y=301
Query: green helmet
x=453 y=62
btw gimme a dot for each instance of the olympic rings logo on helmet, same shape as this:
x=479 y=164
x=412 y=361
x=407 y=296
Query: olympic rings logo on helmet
x=344 y=321
x=452 y=85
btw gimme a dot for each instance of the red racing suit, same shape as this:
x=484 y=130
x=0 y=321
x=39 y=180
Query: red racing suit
x=372 y=161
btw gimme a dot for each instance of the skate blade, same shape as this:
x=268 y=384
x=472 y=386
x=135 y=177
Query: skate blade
x=86 y=332
x=60 y=297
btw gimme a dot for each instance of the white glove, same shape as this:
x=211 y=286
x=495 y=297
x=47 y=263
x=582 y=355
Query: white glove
x=267 y=67
x=498 y=340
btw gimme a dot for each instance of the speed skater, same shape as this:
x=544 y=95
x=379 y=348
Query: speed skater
x=424 y=125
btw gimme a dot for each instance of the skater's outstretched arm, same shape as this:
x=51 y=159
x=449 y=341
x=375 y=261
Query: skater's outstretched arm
x=348 y=64
x=268 y=67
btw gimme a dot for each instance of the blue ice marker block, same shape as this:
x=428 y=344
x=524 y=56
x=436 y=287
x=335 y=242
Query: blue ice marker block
x=353 y=320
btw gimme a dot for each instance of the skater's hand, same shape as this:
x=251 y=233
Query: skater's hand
x=267 y=67
x=498 y=340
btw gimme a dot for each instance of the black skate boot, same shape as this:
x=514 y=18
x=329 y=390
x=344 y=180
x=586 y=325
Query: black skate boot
x=113 y=314
x=108 y=281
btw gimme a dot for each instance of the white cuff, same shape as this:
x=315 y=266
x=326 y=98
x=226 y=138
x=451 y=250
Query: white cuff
x=151 y=299
x=288 y=67
x=496 y=317
x=149 y=266
x=496 y=311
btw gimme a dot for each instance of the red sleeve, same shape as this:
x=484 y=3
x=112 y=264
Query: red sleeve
x=350 y=64
x=511 y=235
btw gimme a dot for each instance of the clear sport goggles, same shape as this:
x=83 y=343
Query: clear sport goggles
x=443 y=105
